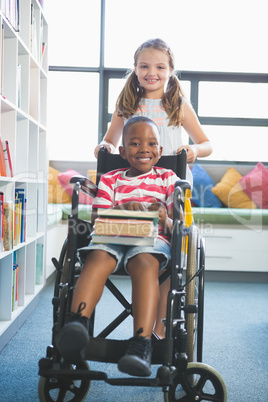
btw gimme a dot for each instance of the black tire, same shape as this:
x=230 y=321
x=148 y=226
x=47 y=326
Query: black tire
x=201 y=294
x=192 y=293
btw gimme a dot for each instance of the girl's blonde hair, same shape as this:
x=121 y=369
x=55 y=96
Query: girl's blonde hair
x=128 y=100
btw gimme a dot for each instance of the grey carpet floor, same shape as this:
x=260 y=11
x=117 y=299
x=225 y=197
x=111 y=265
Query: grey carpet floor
x=235 y=344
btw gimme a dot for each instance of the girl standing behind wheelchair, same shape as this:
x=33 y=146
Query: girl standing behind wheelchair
x=153 y=90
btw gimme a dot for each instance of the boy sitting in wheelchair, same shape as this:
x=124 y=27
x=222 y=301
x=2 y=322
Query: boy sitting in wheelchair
x=140 y=187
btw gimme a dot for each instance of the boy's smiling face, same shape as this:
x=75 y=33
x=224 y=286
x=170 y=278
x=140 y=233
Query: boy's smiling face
x=141 y=147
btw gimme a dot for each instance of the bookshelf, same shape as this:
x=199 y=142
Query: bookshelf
x=23 y=97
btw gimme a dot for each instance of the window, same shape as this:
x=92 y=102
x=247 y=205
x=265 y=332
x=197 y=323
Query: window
x=74 y=32
x=73 y=126
x=233 y=99
x=205 y=36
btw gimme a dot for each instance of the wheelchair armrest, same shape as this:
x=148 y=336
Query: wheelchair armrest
x=86 y=184
x=183 y=184
x=179 y=195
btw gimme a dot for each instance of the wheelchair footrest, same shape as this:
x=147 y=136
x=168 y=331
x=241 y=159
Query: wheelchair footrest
x=111 y=350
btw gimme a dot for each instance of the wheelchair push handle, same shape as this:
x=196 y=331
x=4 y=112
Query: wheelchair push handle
x=103 y=149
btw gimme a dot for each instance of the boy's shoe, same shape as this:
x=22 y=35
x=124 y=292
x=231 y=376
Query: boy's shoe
x=72 y=339
x=137 y=360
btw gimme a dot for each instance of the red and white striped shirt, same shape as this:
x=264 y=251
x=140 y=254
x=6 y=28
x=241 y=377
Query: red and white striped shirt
x=116 y=188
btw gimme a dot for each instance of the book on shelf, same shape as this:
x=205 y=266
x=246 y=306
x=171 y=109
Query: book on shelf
x=125 y=213
x=43 y=51
x=33 y=33
x=20 y=195
x=17 y=221
x=125 y=240
x=41 y=38
x=1 y=221
x=7 y=158
x=2 y=60
x=11 y=9
x=15 y=286
x=3 y=171
x=124 y=227
x=42 y=3
x=8 y=226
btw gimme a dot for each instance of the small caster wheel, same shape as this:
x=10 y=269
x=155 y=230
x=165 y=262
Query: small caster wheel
x=200 y=383
x=60 y=389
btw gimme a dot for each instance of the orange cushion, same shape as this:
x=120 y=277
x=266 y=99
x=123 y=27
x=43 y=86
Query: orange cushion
x=230 y=192
x=56 y=193
x=64 y=179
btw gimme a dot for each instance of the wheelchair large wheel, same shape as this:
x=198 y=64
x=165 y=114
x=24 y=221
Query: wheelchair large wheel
x=64 y=389
x=200 y=383
x=192 y=295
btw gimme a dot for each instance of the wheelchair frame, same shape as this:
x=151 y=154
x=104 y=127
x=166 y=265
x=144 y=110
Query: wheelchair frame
x=180 y=378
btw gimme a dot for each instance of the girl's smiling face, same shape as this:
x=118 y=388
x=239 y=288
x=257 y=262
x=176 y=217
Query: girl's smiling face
x=153 y=71
x=141 y=147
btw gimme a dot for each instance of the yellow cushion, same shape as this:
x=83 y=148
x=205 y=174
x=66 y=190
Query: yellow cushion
x=56 y=193
x=230 y=192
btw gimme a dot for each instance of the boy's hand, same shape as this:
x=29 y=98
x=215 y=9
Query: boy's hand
x=158 y=206
x=165 y=222
x=131 y=206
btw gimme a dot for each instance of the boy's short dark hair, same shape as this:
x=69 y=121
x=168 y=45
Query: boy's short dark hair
x=134 y=120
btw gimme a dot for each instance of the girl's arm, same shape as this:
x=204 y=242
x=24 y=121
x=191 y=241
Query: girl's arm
x=201 y=146
x=112 y=136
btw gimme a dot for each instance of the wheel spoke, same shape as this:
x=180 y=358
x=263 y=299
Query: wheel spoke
x=202 y=381
x=76 y=391
x=53 y=384
x=62 y=394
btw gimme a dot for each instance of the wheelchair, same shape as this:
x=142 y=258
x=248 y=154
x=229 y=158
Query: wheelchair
x=181 y=373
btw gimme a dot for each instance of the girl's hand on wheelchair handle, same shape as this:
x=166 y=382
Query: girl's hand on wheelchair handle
x=98 y=147
x=191 y=152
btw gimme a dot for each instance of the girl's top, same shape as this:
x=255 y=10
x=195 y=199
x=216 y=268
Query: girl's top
x=170 y=136
x=116 y=188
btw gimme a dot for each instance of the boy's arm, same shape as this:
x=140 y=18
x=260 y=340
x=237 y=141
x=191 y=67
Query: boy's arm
x=94 y=215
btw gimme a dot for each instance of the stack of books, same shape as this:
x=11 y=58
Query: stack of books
x=119 y=226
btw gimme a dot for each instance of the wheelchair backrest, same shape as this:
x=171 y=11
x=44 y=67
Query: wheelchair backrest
x=107 y=162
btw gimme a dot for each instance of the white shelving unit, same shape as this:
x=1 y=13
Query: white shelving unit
x=236 y=248
x=23 y=97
